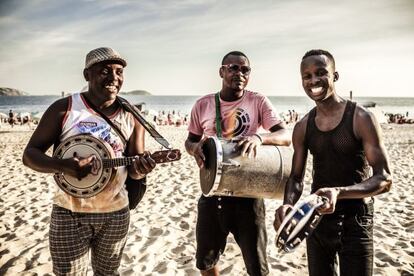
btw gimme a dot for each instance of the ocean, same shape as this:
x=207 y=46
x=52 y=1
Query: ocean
x=36 y=105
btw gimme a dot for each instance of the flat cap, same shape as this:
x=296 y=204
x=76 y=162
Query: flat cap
x=103 y=54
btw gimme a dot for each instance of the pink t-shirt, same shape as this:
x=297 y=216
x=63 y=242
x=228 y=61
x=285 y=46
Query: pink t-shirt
x=239 y=118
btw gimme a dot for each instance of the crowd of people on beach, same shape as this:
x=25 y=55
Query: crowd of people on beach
x=18 y=119
x=178 y=118
x=398 y=118
x=170 y=118
x=163 y=118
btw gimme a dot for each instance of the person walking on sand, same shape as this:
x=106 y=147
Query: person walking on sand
x=243 y=217
x=99 y=223
x=12 y=118
x=344 y=139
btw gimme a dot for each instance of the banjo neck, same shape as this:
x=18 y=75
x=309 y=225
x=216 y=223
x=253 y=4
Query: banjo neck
x=117 y=162
x=162 y=156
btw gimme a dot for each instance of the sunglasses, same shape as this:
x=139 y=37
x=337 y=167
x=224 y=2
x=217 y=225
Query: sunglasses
x=233 y=68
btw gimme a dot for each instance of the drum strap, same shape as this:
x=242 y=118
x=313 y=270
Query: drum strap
x=131 y=109
x=117 y=130
x=151 y=130
x=218 y=115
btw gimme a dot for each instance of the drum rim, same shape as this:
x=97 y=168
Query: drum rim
x=219 y=170
x=59 y=177
x=295 y=209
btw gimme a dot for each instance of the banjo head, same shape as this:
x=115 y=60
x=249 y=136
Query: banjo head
x=83 y=146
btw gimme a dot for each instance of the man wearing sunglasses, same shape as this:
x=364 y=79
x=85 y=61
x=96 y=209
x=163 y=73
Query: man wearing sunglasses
x=242 y=112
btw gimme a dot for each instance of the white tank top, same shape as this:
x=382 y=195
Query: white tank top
x=79 y=119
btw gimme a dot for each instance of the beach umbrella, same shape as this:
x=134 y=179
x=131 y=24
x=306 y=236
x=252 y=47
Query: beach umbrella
x=37 y=116
x=24 y=114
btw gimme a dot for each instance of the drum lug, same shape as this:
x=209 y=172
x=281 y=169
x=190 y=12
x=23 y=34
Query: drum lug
x=231 y=163
x=228 y=192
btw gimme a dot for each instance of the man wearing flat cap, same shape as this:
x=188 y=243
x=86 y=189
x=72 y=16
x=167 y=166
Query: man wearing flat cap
x=98 y=223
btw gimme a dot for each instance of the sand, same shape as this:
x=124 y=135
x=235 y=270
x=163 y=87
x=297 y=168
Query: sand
x=161 y=238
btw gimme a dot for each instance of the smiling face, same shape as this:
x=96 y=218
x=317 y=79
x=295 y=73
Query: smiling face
x=105 y=79
x=318 y=77
x=235 y=73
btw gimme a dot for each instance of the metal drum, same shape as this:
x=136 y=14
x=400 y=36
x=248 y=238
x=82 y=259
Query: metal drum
x=227 y=173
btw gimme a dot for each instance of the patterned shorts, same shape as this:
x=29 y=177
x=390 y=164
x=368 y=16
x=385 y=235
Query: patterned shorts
x=72 y=234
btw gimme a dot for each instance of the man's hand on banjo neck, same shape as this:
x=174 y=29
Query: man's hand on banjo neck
x=143 y=165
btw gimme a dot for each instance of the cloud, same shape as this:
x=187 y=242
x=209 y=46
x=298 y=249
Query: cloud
x=186 y=39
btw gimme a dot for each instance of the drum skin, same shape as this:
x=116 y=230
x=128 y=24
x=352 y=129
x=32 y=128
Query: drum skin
x=227 y=173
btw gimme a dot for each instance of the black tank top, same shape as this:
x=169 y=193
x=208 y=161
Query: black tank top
x=338 y=156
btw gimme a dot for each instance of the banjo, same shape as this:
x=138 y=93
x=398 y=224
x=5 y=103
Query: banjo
x=84 y=145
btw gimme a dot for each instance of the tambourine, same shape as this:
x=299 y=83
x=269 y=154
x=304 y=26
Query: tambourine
x=299 y=223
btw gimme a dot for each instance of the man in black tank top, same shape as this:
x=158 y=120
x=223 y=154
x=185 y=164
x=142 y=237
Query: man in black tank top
x=345 y=141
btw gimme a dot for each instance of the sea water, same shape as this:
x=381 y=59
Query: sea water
x=37 y=105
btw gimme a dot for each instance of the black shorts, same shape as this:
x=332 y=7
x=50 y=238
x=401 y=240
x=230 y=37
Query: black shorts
x=348 y=234
x=244 y=218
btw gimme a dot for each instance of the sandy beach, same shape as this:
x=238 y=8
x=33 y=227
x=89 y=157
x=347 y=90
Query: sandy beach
x=161 y=238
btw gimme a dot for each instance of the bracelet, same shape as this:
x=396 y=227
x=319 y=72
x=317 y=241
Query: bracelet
x=260 y=137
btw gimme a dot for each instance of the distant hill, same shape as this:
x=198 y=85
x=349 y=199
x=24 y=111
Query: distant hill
x=137 y=92
x=5 y=91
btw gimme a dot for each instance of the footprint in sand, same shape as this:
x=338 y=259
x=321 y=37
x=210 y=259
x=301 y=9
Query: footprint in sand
x=178 y=249
x=279 y=267
x=10 y=237
x=161 y=267
x=191 y=272
x=175 y=219
x=190 y=235
x=401 y=245
x=227 y=270
x=143 y=259
x=155 y=232
x=184 y=260
x=150 y=241
x=126 y=259
x=184 y=225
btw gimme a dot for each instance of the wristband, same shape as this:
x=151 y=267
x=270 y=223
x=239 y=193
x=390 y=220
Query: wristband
x=260 y=137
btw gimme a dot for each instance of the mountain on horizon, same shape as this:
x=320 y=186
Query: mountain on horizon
x=6 y=91
x=137 y=92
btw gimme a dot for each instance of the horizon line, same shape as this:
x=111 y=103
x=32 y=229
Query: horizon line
x=193 y=95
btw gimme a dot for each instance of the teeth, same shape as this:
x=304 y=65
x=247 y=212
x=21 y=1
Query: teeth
x=316 y=90
x=110 y=87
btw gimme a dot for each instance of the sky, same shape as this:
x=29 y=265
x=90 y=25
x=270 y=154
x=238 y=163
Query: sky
x=176 y=47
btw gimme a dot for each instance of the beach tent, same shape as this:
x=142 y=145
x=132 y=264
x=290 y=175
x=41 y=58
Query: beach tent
x=3 y=115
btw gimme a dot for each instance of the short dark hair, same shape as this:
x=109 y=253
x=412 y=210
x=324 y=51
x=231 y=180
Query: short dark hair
x=320 y=52
x=234 y=53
